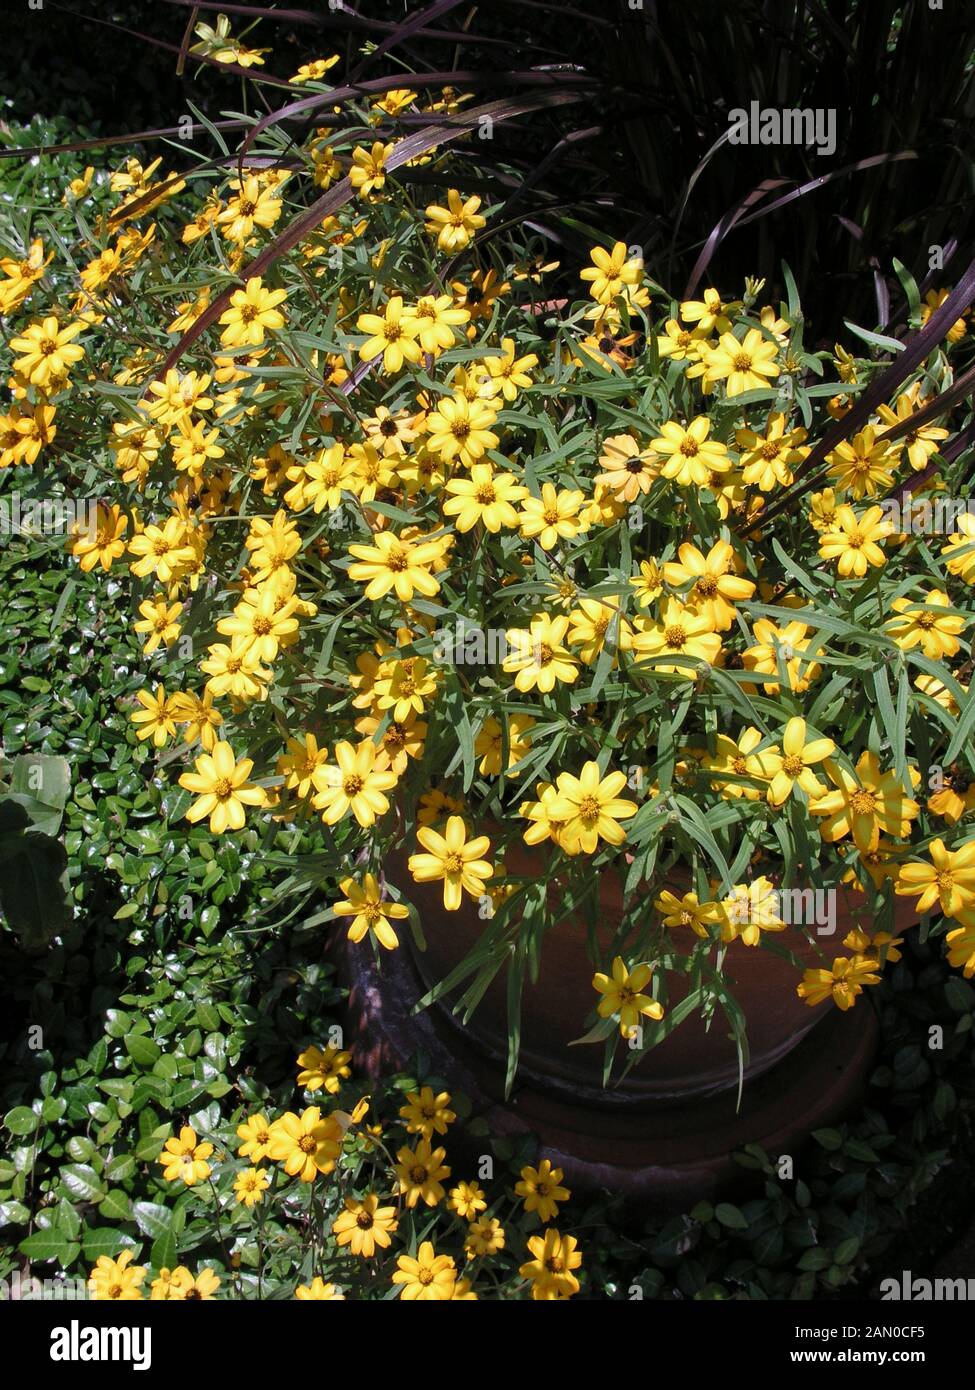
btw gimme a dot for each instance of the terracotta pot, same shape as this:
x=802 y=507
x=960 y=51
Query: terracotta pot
x=695 y=1062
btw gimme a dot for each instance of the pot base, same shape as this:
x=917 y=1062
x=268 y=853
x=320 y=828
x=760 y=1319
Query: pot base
x=671 y=1156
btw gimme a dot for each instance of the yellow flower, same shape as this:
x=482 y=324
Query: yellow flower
x=961 y=945
x=252 y=311
x=467 y=1200
x=250 y=1185
x=301 y=761
x=157 y=718
x=767 y=459
x=393 y=563
x=628 y=470
x=750 y=909
x=553 y=516
x=842 y=983
x=681 y=343
x=436 y=317
x=959 y=553
x=611 y=272
x=921 y=625
x=745 y=365
x=537 y=654
x=783 y=646
x=313 y=71
x=368 y=172
x=47 y=351
x=489 y=743
x=183 y=1159
x=427 y=1114
x=356 y=782
x=369 y=911
x=691 y=457
x=184 y=1288
x=949 y=879
x=708 y=313
x=485 y=496
x=221 y=786
x=742 y=758
x=509 y=373
x=541 y=1188
x=715 y=589
x=199 y=716
x=103 y=544
x=256 y=1134
x=864 y=465
x=590 y=809
x=864 y=804
x=307 y=1144
x=822 y=510
x=682 y=635
x=318 y=1291
x=364 y=1225
x=116 y=1280
x=164 y=552
x=648 y=583
x=406 y=687
x=545 y=825
x=795 y=765
x=623 y=995
x=855 y=541
x=326 y=1069
x=688 y=912
x=921 y=443
x=427 y=1278
x=454 y=859
x=460 y=429
x=555 y=1257
x=454 y=225
x=419 y=1173
x=592 y=622
x=484 y=1237
x=392 y=336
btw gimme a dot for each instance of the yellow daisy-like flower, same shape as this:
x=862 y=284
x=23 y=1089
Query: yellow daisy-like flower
x=356 y=782
x=709 y=313
x=682 y=635
x=948 y=880
x=486 y=497
x=745 y=366
x=256 y=1134
x=368 y=173
x=537 y=654
x=116 y=1280
x=222 y=789
x=622 y=992
x=690 y=456
x=484 y=1237
x=323 y=1069
x=427 y=1114
x=307 y=1144
x=590 y=809
x=364 y=1226
x=453 y=859
x=842 y=983
x=250 y=1184
x=392 y=563
x=855 y=542
x=184 y=1158
x=866 y=804
x=427 y=1278
x=467 y=1200
x=750 y=909
x=392 y=335
x=767 y=459
x=370 y=912
x=541 y=1188
x=420 y=1173
x=550 y=1270
x=552 y=517
x=686 y=911
x=454 y=225
x=318 y=1292
x=489 y=743
x=649 y=583
x=460 y=429
x=920 y=624
x=797 y=761
x=628 y=470
x=611 y=272
x=958 y=554
x=715 y=588
x=252 y=312
x=157 y=718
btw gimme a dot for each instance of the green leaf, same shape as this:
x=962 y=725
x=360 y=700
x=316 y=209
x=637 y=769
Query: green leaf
x=152 y=1219
x=143 y=1051
x=730 y=1216
x=21 y=1120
